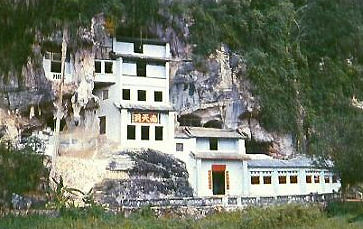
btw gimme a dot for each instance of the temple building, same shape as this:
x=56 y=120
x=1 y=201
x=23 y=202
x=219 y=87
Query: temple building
x=135 y=112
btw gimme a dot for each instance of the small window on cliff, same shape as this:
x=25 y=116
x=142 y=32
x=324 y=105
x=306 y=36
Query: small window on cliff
x=108 y=67
x=104 y=94
x=103 y=125
x=55 y=66
x=97 y=67
x=179 y=147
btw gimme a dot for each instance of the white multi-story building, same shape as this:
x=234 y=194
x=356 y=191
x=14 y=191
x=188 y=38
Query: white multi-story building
x=134 y=91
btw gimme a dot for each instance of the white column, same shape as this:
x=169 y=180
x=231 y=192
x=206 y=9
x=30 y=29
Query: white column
x=245 y=179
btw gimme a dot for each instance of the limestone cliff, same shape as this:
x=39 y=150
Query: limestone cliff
x=217 y=93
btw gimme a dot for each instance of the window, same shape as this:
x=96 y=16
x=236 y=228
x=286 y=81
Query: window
x=141 y=68
x=145 y=132
x=308 y=179
x=102 y=124
x=131 y=132
x=335 y=179
x=141 y=95
x=158 y=133
x=97 y=67
x=138 y=47
x=316 y=179
x=55 y=66
x=255 y=180
x=108 y=67
x=104 y=94
x=213 y=144
x=158 y=96
x=293 y=179
x=126 y=94
x=326 y=179
x=282 y=179
x=267 y=179
x=179 y=147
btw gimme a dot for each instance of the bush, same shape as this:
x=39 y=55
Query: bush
x=22 y=171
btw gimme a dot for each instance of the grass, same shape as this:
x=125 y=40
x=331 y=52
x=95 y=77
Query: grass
x=337 y=215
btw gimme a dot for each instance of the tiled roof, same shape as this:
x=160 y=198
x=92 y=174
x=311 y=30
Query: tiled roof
x=298 y=162
x=145 y=107
x=221 y=156
x=202 y=132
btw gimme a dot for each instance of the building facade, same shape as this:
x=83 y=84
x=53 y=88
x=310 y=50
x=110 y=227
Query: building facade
x=134 y=90
x=135 y=112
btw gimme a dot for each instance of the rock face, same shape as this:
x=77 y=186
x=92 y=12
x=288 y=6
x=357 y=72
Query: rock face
x=153 y=175
x=218 y=93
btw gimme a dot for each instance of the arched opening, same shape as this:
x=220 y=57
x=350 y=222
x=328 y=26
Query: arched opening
x=189 y=120
x=213 y=124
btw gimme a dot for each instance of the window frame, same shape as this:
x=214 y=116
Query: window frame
x=213 y=144
x=123 y=94
x=282 y=179
x=100 y=66
x=134 y=132
x=177 y=148
x=267 y=179
x=106 y=63
x=145 y=136
x=255 y=180
x=156 y=96
x=138 y=95
x=293 y=179
x=162 y=133
x=103 y=125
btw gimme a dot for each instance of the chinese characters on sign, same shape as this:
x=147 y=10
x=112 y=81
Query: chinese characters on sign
x=145 y=118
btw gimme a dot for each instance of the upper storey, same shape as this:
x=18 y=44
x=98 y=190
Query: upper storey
x=143 y=49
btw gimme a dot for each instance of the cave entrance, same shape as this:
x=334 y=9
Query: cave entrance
x=219 y=179
x=214 y=124
x=189 y=120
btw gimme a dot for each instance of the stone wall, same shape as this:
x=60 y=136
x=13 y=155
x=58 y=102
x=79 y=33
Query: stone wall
x=202 y=206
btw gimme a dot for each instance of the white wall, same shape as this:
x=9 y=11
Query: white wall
x=235 y=177
x=129 y=69
x=53 y=76
x=123 y=47
x=155 y=71
x=166 y=145
x=186 y=156
x=301 y=188
x=224 y=145
x=154 y=50
x=108 y=77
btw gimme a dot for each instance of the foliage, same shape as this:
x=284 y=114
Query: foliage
x=305 y=61
x=21 y=170
x=289 y=216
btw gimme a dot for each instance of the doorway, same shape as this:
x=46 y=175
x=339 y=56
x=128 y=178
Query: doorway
x=219 y=179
